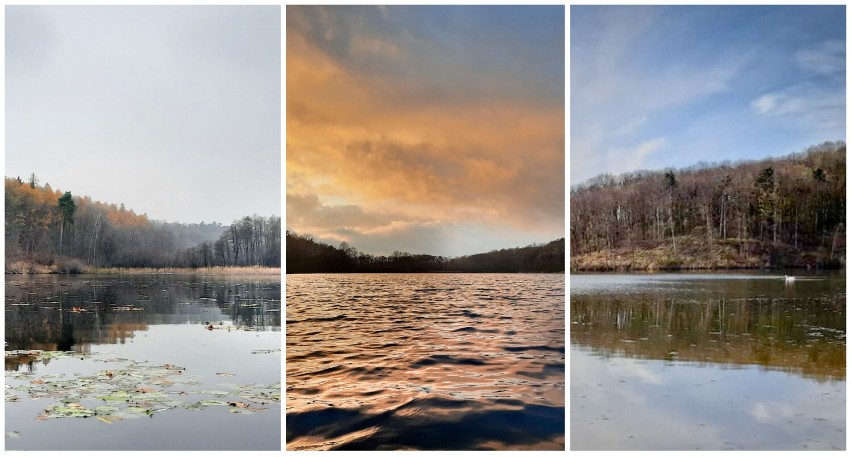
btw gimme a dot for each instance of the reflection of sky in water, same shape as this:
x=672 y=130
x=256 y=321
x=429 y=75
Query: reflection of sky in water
x=623 y=403
x=582 y=284
x=203 y=354
x=167 y=328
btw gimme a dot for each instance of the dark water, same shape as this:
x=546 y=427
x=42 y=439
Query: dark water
x=722 y=361
x=138 y=352
x=425 y=361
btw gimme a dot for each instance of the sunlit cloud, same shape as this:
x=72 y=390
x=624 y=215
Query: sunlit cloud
x=413 y=121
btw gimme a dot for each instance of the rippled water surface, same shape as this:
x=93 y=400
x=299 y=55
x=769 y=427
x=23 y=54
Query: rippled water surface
x=425 y=361
x=143 y=362
x=711 y=361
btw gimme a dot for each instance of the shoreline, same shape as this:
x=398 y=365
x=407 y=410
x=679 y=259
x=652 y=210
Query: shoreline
x=604 y=269
x=697 y=254
x=428 y=272
x=212 y=271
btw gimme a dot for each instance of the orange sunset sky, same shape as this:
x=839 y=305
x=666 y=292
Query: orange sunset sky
x=426 y=129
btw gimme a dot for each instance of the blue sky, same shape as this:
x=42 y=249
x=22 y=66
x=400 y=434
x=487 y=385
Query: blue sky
x=671 y=86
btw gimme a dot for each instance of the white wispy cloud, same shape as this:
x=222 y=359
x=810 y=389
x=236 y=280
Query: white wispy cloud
x=620 y=160
x=803 y=105
x=632 y=126
x=828 y=57
x=764 y=104
x=647 y=80
x=616 y=92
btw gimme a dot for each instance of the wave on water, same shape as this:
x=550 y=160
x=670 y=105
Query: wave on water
x=429 y=362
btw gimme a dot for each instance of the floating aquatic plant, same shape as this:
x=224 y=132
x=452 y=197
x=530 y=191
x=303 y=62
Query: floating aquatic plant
x=131 y=390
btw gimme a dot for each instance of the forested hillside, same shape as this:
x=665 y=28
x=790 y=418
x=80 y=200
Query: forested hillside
x=781 y=212
x=305 y=255
x=51 y=230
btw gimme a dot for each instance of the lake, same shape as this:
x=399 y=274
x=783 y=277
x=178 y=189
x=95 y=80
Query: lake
x=708 y=361
x=143 y=362
x=425 y=361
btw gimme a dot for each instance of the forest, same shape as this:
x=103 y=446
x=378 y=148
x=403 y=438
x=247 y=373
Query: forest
x=306 y=255
x=786 y=212
x=52 y=231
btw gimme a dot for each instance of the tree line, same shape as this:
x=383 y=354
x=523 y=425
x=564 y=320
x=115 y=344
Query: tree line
x=777 y=212
x=71 y=233
x=306 y=255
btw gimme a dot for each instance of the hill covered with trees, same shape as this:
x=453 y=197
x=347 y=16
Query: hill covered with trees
x=306 y=255
x=54 y=231
x=776 y=213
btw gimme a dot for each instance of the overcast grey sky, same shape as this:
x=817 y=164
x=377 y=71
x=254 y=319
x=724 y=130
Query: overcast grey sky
x=172 y=110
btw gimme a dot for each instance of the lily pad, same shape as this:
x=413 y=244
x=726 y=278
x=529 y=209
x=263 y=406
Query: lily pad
x=105 y=410
x=213 y=403
x=116 y=397
x=69 y=410
x=133 y=391
x=217 y=393
x=240 y=411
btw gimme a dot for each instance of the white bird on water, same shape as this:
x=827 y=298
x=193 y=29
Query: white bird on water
x=789 y=279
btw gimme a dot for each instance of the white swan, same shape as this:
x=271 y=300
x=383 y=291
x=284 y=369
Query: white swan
x=789 y=278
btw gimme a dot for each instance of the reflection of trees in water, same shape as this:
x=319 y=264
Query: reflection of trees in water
x=804 y=335
x=61 y=313
x=252 y=304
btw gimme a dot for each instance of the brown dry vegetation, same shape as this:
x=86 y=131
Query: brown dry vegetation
x=696 y=253
x=784 y=212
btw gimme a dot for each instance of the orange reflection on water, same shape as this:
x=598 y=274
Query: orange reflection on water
x=429 y=361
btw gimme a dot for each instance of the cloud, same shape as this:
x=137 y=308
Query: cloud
x=621 y=87
x=620 y=160
x=375 y=46
x=699 y=78
x=764 y=104
x=167 y=99
x=402 y=125
x=804 y=106
x=305 y=213
x=826 y=58
x=33 y=40
x=632 y=126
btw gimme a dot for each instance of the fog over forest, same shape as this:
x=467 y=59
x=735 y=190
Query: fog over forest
x=54 y=231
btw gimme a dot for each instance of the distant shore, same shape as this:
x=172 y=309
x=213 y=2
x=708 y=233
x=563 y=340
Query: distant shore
x=21 y=267
x=427 y=272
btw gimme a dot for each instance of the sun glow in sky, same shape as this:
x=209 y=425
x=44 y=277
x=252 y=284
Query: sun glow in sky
x=427 y=129
x=670 y=86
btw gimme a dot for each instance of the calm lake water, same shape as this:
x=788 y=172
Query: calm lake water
x=425 y=361
x=708 y=361
x=131 y=363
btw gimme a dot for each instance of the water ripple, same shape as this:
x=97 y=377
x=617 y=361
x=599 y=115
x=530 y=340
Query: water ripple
x=425 y=361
